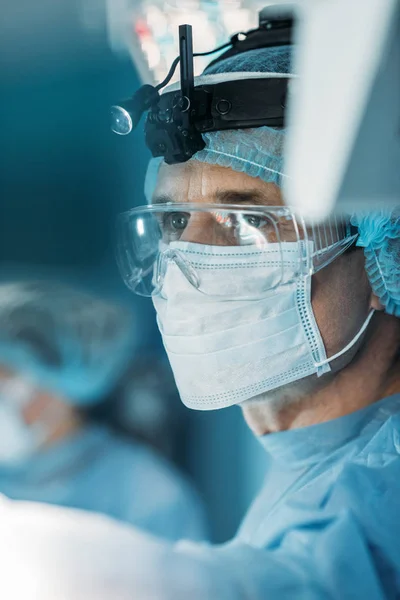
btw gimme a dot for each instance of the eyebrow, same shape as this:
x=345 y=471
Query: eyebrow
x=163 y=199
x=253 y=196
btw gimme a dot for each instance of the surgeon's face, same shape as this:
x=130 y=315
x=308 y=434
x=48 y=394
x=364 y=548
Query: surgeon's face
x=341 y=294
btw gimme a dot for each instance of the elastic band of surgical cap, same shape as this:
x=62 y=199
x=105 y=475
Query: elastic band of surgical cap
x=256 y=152
x=379 y=235
x=64 y=340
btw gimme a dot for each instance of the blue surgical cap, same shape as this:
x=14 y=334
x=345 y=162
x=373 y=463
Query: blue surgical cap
x=379 y=235
x=259 y=153
x=277 y=59
x=64 y=340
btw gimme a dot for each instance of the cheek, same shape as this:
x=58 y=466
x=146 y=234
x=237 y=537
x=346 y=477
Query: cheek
x=332 y=313
x=340 y=300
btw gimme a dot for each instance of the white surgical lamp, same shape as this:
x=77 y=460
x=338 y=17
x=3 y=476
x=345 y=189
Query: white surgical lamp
x=344 y=146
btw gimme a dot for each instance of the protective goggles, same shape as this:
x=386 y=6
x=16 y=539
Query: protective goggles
x=267 y=244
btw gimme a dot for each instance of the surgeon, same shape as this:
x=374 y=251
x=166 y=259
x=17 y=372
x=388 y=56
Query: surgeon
x=62 y=352
x=297 y=324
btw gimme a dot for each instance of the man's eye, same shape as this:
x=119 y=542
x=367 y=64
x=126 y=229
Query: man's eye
x=255 y=221
x=177 y=221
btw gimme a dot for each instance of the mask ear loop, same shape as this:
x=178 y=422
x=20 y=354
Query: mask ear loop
x=350 y=344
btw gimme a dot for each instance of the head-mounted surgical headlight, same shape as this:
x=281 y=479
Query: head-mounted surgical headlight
x=177 y=118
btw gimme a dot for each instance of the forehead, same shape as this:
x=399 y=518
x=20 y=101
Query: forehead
x=198 y=182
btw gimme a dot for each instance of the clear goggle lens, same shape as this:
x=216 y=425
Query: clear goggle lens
x=200 y=239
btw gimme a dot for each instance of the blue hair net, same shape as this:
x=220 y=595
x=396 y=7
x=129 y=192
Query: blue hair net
x=379 y=235
x=277 y=59
x=63 y=339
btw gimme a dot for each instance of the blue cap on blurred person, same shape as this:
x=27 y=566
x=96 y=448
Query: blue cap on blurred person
x=64 y=340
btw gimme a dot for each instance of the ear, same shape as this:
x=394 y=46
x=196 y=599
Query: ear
x=376 y=303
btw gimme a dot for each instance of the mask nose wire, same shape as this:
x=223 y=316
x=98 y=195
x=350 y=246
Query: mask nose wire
x=177 y=257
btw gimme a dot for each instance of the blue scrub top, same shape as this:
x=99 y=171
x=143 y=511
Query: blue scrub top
x=97 y=471
x=326 y=524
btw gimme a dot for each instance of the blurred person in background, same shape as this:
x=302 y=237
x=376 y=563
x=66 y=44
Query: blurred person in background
x=62 y=355
x=145 y=405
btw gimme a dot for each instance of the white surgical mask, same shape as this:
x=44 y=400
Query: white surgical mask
x=223 y=352
x=18 y=441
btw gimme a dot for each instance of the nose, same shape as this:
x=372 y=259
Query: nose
x=203 y=228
